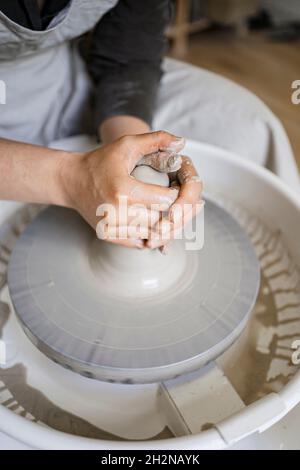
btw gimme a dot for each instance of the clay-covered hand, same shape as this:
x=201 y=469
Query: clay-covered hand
x=103 y=177
x=187 y=205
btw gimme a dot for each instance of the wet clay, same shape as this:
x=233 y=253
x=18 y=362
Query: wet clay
x=146 y=174
x=256 y=365
x=16 y=393
x=260 y=361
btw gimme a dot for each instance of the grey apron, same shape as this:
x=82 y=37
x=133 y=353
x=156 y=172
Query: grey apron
x=47 y=85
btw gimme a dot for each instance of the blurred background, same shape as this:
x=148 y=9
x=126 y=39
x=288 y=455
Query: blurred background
x=256 y=43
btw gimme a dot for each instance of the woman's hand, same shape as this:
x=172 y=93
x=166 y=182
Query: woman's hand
x=103 y=176
x=185 y=180
x=187 y=205
x=84 y=181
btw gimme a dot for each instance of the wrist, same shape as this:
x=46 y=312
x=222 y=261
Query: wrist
x=117 y=126
x=65 y=177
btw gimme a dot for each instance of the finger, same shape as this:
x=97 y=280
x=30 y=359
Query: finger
x=175 y=185
x=129 y=243
x=164 y=249
x=182 y=213
x=190 y=183
x=144 y=217
x=151 y=195
x=186 y=206
x=189 y=193
x=165 y=230
x=158 y=238
x=164 y=239
x=162 y=161
x=123 y=233
x=157 y=241
x=135 y=147
x=134 y=215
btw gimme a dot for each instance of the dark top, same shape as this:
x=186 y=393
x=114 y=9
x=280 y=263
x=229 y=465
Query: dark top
x=124 y=55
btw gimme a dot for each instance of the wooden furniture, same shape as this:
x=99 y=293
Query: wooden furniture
x=229 y=12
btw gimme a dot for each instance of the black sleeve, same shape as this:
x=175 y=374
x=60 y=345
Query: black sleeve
x=125 y=58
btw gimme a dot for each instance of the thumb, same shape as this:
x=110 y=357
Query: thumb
x=139 y=145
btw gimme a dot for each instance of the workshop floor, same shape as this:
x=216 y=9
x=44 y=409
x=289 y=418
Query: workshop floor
x=267 y=68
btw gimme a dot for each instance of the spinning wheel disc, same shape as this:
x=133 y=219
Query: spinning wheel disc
x=74 y=315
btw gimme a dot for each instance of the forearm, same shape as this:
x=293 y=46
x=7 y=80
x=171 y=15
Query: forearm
x=124 y=59
x=30 y=173
x=117 y=126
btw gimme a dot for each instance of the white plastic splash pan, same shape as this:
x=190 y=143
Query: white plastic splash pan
x=249 y=388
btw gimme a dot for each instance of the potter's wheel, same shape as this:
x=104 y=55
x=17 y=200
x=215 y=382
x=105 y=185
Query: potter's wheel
x=82 y=307
x=256 y=377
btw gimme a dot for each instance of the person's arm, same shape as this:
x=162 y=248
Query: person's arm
x=85 y=181
x=125 y=63
x=30 y=173
x=117 y=126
